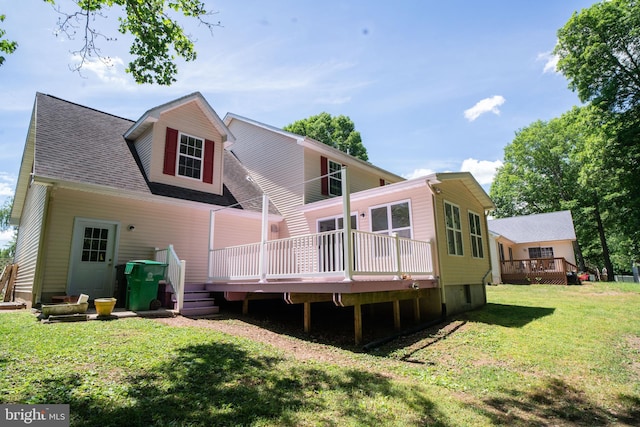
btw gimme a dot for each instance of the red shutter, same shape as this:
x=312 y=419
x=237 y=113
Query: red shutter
x=382 y=182
x=324 y=170
x=170 y=151
x=207 y=171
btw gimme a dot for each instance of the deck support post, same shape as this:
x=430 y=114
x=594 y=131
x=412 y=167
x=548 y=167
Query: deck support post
x=416 y=310
x=307 y=317
x=396 y=314
x=245 y=306
x=357 y=323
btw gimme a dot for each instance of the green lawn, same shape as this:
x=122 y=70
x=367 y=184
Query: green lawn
x=535 y=355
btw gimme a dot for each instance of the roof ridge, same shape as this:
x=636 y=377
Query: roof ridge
x=83 y=106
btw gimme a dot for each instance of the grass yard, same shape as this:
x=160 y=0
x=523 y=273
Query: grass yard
x=535 y=355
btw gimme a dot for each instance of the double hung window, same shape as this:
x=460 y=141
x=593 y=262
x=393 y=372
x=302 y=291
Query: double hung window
x=190 y=156
x=454 y=229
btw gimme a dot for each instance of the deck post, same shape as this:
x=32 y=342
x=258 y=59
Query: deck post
x=307 y=317
x=357 y=322
x=396 y=314
x=262 y=262
x=346 y=225
x=416 y=309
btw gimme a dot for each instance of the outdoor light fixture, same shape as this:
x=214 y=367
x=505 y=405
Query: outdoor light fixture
x=131 y=227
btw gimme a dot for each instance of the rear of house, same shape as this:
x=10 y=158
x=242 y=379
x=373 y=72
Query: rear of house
x=243 y=210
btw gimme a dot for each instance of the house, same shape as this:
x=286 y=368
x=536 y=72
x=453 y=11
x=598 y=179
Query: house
x=238 y=209
x=535 y=248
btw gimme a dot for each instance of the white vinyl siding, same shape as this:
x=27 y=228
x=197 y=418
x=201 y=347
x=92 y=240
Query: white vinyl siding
x=155 y=226
x=29 y=239
x=276 y=163
x=191 y=120
x=144 y=146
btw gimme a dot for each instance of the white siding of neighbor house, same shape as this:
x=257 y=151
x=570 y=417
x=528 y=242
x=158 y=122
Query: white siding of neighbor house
x=465 y=269
x=29 y=240
x=561 y=249
x=144 y=146
x=276 y=163
x=157 y=224
x=189 y=119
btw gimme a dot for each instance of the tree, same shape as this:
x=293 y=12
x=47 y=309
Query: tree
x=6 y=46
x=544 y=171
x=338 y=132
x=158 y=36
x=5 y=216
x=599 y=52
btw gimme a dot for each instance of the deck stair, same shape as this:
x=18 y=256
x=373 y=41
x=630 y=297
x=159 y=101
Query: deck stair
x=198 y=301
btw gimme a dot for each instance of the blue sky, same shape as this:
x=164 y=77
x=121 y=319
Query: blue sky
x=431 y=86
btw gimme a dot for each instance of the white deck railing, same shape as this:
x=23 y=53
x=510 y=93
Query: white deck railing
x=175 y=273
x=321 y=255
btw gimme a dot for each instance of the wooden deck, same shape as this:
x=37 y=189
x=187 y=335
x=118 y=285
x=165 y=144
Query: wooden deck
x=537 y=271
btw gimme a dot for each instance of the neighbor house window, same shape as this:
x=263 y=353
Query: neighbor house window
x=476 y=235
x=392 y=218
x=537 y=253
x=454 y=229
x=190 y=156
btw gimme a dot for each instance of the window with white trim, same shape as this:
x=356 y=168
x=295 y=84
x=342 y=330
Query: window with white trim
x=392 y=218
x=454 y=229
x=475 y=230
x=335 y=178
x=190 y=156
x=537 y=253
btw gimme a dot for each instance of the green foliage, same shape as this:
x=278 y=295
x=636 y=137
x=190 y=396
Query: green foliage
x=535 y=355
x=6 y=46
x=5 y=216
x=338 y=132
x=599 y=53
x=159 y=38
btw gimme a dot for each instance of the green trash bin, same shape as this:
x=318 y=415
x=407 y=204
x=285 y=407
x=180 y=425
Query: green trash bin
x=142 y=283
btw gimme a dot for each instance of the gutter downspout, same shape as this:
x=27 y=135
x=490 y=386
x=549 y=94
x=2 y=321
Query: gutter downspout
x=443 y=295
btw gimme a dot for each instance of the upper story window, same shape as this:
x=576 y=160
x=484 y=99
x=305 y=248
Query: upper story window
x=392 y=218
x=190 y=156
x=335 y=178
x=454 y=229
x=476 y=235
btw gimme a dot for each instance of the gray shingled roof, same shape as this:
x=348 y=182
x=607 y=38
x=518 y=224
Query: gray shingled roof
x=81 y=145
x=535 y=228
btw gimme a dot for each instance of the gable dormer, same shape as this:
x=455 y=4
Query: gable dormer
x=181 y=144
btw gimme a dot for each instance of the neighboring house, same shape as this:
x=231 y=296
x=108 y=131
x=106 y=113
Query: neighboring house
x=533 y=248
x=96 y=191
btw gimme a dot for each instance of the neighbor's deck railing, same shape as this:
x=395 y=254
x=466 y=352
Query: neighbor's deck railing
x=541 y=270
x=175 y=273
x=321 y=255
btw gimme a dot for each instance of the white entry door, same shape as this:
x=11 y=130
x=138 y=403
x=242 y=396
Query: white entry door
x=91 y=266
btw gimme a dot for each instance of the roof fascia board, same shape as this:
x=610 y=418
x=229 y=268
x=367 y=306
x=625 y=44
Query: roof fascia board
x=365 y=194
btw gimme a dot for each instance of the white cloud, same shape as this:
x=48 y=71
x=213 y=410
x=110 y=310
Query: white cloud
x=482 y=170
x=487 y=105
x=109 y=70
x=417 y=173
x=7 y=185
x=5 y=238
x=550 y=62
